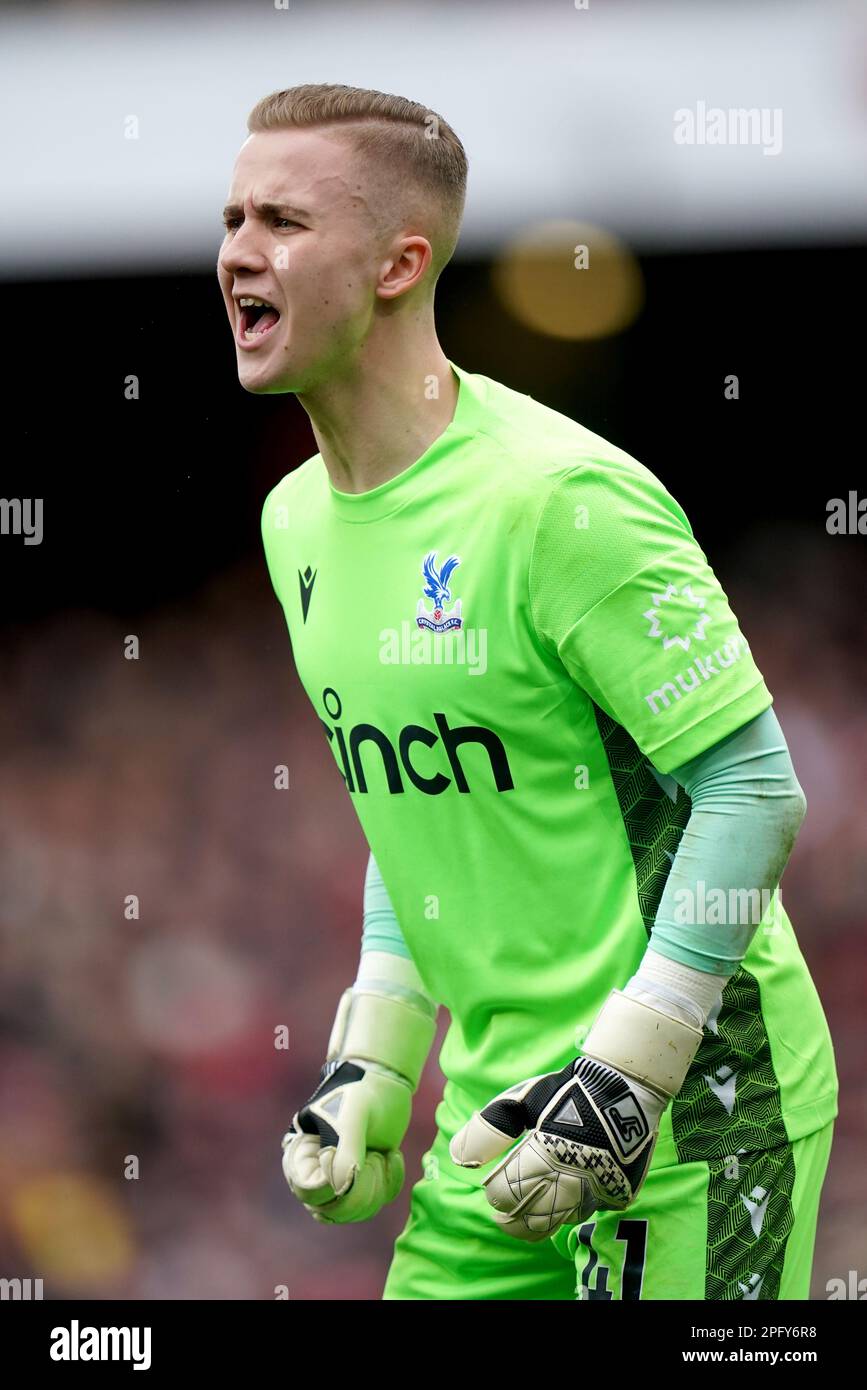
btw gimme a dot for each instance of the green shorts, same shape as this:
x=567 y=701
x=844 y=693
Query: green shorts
x=731 y=1229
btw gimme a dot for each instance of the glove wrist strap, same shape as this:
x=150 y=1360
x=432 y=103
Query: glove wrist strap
x=388 y=1029
x=643 y=1043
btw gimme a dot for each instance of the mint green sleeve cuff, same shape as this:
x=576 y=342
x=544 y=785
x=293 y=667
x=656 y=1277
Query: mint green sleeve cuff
x=381 y=931
x=747 y=808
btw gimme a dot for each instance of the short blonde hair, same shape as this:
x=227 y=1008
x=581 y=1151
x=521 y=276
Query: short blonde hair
x=406 y=143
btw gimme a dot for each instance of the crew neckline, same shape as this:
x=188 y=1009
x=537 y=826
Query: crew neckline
x=380 y=501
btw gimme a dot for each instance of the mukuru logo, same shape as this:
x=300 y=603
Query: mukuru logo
x=678 y=619
x=394 y=761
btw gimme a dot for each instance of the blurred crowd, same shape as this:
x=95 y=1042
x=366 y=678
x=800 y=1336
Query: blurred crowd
x=165 y=908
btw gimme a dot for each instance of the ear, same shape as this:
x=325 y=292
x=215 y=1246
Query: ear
x=406 y=268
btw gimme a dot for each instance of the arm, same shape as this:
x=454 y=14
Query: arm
x=747 y=808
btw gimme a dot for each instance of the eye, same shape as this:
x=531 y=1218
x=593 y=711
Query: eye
x=231 y=223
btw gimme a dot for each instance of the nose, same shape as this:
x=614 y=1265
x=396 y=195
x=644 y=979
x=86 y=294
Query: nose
x=244 y=251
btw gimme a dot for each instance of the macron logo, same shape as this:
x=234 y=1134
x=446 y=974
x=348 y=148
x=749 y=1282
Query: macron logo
x=306 y=581
x=75 y=1343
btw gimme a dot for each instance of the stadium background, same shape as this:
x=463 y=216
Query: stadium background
x=153 y=1037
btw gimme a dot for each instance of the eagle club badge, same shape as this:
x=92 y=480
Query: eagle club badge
x=436 y=588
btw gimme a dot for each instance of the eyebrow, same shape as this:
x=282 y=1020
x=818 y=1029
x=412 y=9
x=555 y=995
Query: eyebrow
x=266 y=209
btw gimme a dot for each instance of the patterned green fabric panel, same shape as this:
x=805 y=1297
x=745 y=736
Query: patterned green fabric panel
x=654 y=808
x=749 y=1218
x=730 y=1100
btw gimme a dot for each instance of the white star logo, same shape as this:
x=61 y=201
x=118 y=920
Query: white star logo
x=694 y=631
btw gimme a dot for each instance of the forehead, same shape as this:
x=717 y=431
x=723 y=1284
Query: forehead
x=315 y=169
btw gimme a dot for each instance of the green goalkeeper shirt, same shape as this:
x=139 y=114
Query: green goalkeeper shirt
x=510 y=645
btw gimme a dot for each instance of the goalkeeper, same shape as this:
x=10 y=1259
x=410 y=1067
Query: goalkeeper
x=577 y=798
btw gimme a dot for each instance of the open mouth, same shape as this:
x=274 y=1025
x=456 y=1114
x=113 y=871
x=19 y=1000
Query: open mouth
x=258 y=317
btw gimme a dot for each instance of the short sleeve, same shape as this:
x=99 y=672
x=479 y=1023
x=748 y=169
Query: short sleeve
x=623 y=594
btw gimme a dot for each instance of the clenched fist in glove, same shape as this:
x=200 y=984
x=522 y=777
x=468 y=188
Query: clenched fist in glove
x=341 y=1154
x=592 y=1126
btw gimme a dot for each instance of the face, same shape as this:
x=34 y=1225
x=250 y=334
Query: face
x=302 y=238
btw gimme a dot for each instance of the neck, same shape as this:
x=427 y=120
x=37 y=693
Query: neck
x=374 y=420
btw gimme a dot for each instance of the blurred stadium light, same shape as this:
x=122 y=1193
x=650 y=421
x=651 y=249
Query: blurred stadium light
x=585 y=130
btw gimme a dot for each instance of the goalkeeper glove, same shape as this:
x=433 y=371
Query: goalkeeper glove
x=593 y=1125
x=341 y=1153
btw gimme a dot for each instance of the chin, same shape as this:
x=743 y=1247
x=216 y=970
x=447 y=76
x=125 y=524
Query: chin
x=259 y=381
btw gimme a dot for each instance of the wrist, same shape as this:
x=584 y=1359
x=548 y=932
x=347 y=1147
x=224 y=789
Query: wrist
x=385 y=1029
x=644 y=1043
x=676 y=989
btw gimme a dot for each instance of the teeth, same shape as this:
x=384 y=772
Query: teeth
x=255 y=303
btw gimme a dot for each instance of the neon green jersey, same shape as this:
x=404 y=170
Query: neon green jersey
x=510 y=644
